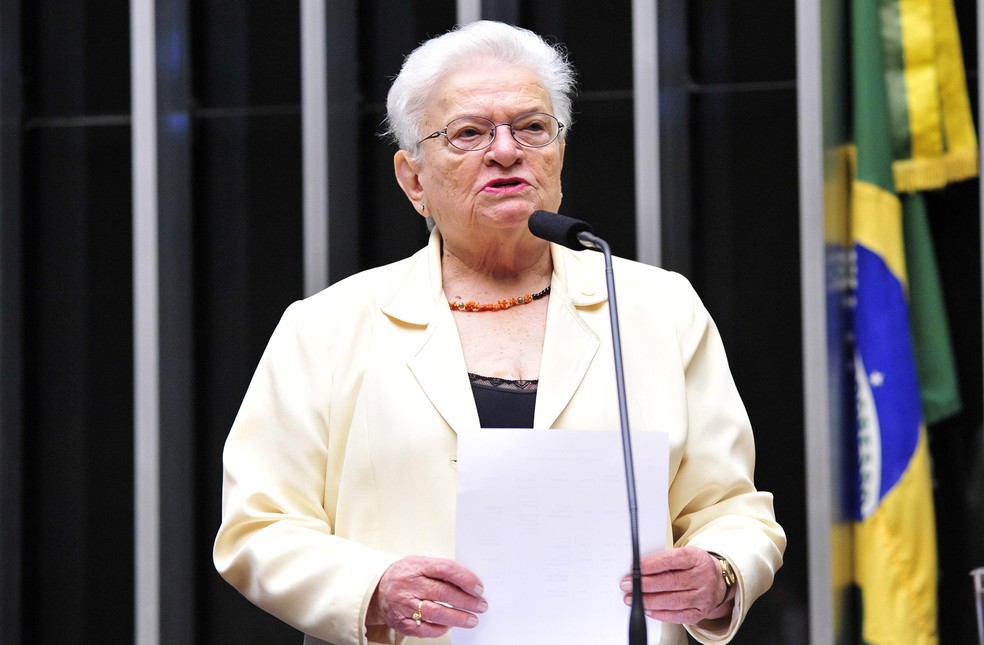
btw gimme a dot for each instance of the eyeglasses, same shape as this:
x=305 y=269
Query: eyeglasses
x=532 y=130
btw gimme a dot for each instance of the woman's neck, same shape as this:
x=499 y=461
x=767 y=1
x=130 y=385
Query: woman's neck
x=497 y=268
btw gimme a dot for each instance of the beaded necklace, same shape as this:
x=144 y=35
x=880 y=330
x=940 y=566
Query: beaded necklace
x=471 y=305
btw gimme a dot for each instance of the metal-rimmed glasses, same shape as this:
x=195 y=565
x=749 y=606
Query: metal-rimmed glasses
x=530 y=130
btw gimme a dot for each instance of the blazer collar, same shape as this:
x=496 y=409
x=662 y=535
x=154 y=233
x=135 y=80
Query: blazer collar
x=438 y=363
x=579 y=274
x=414 y=300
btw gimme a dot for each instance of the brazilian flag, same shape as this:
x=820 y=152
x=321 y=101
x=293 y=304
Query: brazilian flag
x=912 y=132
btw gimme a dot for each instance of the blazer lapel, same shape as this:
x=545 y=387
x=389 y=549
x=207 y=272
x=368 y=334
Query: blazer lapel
x=437 y=362
x=439 y=367
x=570 y=344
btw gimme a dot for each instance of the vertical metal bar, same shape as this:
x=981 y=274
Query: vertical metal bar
x=143 y=80
x=645 y=92
x=314 y=124
x=11 y=328
x=817 y=422
x=468 y=11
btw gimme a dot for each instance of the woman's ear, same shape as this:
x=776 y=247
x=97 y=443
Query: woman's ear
x=408 y=176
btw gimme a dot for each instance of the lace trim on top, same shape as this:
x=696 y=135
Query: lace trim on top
x=503 y=383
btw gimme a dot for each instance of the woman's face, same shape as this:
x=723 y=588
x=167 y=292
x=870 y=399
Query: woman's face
x=498 y=187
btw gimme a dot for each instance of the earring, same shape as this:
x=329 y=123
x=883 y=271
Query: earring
x=423 y=207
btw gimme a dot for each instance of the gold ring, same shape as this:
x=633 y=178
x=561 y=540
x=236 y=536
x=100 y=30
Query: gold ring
x=417 y=617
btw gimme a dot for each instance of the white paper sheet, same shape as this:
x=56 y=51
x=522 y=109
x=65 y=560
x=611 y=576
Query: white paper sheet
x=543 y=520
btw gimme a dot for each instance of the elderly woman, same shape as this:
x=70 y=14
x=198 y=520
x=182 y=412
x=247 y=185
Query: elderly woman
x=339 y=492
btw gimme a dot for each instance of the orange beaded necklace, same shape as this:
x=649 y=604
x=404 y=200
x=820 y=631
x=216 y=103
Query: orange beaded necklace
x=471 y=305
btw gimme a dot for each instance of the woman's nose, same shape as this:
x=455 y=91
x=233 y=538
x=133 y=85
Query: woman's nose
x=504 y=149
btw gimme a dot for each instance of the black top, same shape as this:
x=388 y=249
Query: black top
x=503 y=403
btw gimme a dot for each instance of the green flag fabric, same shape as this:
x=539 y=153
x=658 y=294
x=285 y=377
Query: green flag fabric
x=939 y=390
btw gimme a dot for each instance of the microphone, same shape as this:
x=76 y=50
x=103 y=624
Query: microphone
x=559 y=229
x=577 y=234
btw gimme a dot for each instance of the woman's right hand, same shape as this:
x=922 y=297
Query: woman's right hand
x=425 y=597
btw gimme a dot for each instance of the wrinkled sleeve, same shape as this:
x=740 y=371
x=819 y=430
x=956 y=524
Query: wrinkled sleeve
x=714 y=504
x=275 y=543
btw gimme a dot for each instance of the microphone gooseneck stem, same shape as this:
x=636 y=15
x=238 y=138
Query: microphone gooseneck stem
x=637 y=617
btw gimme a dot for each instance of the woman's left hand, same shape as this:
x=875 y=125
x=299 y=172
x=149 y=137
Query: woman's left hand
x=682 y=586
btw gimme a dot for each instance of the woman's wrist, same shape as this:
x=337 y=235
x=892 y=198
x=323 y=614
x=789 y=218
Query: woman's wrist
x=726 y=608
x=729 y=584
x=728 y=576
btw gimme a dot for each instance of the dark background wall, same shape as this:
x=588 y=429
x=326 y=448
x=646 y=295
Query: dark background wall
x=66 y=461
x=957 y=444
x=77 y=351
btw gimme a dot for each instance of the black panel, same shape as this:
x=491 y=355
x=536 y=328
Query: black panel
x=598 y=173
x=674 y=137
x=344 y=111
x=248 y=259
x=77 y=389
x=246 y=53
x=175 y=324
x=391 y=229
x=501 y=10
x=746 y=268
x=957 y=444
x=248 y=252
x=388 y=31
x=77 y=54
x=78 y=562
x=742 y=41
x=967 y=23
x=11 y=327
x=599 y=41
x=599 y=162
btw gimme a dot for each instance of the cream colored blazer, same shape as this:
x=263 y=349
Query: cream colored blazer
x=342 y=457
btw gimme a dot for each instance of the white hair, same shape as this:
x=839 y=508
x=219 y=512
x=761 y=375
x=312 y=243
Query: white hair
x=425 y=66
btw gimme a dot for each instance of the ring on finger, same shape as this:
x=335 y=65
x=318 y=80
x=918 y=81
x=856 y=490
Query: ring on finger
x=417 y=616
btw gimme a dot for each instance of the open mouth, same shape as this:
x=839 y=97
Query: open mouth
x=510 y=183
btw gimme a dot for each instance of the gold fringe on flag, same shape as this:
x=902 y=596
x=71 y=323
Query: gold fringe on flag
x=941 y=128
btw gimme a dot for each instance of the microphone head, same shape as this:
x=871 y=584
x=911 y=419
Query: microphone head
x=558 y=228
